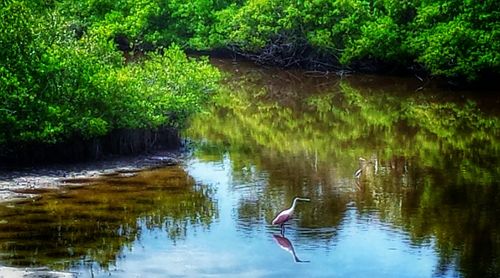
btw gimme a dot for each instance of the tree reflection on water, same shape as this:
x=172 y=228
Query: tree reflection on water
x=94 y=223
x=433 y=162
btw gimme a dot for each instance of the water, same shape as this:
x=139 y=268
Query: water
x=426 y=203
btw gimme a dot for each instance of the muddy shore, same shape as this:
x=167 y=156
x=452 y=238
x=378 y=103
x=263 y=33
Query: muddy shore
x=29 y=182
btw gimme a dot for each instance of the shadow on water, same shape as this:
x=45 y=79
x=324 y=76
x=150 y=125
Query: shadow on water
x=96 y=223
x=431 y=168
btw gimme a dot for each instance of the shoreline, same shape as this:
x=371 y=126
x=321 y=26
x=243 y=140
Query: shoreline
x=77 y=149
x=9 y=271
x=486 y=82
x=25 y=183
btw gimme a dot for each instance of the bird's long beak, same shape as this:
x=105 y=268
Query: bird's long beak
x=304 y=199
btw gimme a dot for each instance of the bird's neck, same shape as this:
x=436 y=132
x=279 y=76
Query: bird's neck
x=293 y=204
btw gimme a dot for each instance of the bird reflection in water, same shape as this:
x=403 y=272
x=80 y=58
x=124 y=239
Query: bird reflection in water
x=287 y=245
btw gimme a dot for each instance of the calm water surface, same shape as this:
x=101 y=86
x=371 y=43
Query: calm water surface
x=425 y=205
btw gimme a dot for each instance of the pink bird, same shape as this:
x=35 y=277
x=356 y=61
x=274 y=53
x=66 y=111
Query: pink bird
x=287 y=214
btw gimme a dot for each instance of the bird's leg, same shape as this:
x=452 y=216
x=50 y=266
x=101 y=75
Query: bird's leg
x=283 y=229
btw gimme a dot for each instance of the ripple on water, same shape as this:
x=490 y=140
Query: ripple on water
x=316 y=238
x=310 y=238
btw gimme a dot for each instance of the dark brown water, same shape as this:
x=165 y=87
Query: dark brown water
x=94 y=224
x=425 y=204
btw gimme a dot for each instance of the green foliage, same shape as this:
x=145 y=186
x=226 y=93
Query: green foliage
x=54 y=85
x=191 y=24
x=60 y=72
x=452 y=38
x=168 y=82
x=446 y=37
x=379 y=39
x=255 y=24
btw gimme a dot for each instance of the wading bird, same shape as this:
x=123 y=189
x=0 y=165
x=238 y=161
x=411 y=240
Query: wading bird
x=362 y=166
x=287 y=214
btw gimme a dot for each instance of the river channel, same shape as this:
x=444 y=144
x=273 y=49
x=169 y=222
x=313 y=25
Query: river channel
x=403 y=179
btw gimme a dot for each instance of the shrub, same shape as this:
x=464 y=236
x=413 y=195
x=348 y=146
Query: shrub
x=53 y=85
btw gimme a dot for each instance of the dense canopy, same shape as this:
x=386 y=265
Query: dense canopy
x=443 y=37
x=58 y=81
